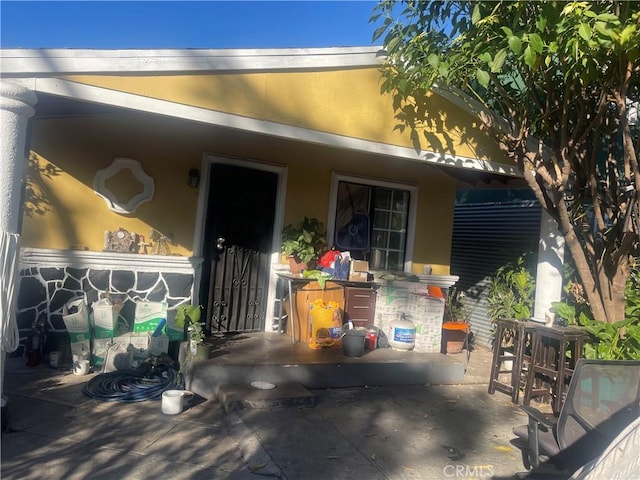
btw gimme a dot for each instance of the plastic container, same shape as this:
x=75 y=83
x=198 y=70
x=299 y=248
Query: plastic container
x=325 y=324
x=54 y=359
x=403 y=334
x=81 y=367
x=172 y=402
x=353 y=342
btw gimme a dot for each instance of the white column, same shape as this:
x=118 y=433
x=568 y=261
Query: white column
x=16 y=106
x=549 y=274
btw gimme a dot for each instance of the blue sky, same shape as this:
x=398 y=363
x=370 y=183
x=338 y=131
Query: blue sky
x=188 y=24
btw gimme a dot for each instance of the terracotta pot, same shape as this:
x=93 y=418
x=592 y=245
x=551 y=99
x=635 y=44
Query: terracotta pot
x=296 y=267
x=454 y=336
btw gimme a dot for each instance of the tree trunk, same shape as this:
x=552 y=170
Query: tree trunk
x=605 y=295
x=612 y=290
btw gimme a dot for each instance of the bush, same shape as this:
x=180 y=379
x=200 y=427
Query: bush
x=511 y=292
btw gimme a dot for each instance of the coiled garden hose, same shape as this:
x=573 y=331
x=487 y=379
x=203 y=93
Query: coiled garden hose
x=131 y=385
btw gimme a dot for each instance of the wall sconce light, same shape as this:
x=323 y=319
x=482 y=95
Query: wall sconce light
x=194 y=178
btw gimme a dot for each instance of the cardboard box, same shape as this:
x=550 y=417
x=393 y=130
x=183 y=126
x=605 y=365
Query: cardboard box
x=359 y=266
x=148 y=315
x=77 y=324
x=140 y=345
x=119 y=355
x=99 y=348
x=105 y=320
x=159 y=344
x=358 y=276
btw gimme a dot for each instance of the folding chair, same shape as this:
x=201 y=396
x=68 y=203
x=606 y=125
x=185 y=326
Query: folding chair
x=602 y=399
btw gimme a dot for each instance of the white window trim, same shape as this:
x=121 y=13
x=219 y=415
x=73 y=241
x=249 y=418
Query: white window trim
x=337 y=177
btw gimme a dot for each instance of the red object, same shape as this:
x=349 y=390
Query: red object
x=371 y=340
x=328 y=258
x=435 y=291
x=33 y=348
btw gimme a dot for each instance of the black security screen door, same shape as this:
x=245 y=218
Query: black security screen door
x=237 y=247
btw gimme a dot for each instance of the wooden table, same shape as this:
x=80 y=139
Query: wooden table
x=296 y=283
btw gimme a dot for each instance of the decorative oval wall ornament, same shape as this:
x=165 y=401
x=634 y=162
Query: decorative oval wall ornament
x=119 y=164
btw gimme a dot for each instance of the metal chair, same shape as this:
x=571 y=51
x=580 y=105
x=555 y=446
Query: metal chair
x=602 y=399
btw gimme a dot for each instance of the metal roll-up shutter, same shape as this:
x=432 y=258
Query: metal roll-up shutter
x=485 y=237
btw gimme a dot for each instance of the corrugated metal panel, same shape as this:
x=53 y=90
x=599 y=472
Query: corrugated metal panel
x=485 y=237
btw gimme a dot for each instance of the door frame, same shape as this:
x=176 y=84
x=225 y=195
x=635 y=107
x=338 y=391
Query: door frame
x=208 y=159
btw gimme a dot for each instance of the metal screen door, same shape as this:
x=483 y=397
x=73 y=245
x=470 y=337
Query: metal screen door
x=237 y=247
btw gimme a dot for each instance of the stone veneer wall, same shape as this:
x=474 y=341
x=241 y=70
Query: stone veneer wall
x=48 y=282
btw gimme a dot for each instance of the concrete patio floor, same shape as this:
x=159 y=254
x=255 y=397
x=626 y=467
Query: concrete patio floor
x=352 y=433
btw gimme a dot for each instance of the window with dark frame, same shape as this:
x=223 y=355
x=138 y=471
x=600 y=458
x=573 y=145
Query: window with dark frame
x=371 y=223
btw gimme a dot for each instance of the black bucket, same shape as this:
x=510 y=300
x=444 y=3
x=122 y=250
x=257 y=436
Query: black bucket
x=353 y=342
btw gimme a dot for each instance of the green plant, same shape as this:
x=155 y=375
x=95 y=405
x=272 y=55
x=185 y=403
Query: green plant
x=612 y=341
x=511 y=292
x=455 y=309
x=189 y=316
x=608 y=341
x=544 y=82
x=304 y=241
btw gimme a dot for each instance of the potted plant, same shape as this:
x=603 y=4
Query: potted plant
x=189 y=317
x=455 y=328
x=303 y=243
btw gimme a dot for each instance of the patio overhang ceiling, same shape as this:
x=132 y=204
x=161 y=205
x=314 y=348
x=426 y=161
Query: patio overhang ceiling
x=63 y=98
x=88 y=101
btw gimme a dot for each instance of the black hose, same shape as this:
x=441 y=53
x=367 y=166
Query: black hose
x=131 y=385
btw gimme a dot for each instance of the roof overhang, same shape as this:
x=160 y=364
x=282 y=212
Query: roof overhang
x=79 y=61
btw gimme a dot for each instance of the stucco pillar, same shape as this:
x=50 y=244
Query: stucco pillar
x=549 y=277
x=16 y=106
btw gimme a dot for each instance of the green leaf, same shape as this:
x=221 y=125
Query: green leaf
x=507 y=31
x=433 y=60
x=515 y=44
x=485 y=57
x=627 y=34
x=402 y=86
x=536 y=43
x=530 y=56
x=476 y=16
x=607 y=17
x=483 y=77
x=584 y=30
x=498 y=61
x=392 y=45
x=378 y=32
x=603 y=29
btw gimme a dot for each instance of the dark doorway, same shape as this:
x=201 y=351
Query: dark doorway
x=237 y=247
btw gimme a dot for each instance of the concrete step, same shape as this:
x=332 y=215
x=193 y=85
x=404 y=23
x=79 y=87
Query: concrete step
x=242 y=358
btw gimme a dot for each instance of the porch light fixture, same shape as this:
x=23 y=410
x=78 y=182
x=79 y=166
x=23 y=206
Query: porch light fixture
x=194 y=178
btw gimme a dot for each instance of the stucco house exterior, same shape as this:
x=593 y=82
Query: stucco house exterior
x=154 y=172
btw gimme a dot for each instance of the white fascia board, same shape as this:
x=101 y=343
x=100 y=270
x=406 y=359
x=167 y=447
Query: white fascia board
x=90 y=93
x=32 y=257
x=16 y=62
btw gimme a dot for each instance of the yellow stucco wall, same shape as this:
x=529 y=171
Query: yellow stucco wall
x=63 y=212
x=345 y=102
